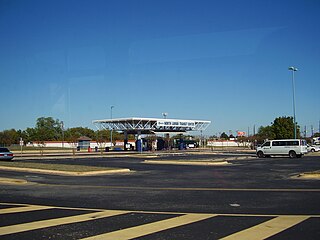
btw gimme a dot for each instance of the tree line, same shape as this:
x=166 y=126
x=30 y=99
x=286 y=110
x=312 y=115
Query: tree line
x=280 y=128
x=49 y=129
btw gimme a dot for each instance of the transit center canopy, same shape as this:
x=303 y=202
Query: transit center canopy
x=151 y=125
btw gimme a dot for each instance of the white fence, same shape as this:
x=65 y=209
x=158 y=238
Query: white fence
x=226 y=143
x=58 y=144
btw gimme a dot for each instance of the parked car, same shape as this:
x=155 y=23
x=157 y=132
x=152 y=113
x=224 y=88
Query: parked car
x=5 y=154
x=313 y=148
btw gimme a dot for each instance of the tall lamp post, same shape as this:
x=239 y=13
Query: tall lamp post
x=294 y=69
x=111 y=128
x=62 y=128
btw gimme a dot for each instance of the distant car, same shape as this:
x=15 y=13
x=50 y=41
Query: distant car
x=5 y=154
x=313 y=148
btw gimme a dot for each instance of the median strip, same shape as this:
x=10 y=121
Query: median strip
x=59 y=169
x=189 y=162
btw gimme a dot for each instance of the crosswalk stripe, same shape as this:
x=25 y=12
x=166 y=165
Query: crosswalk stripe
x=261 y=231
x=268 y=228
x=24 y=209
x=142 y=230
x=58 y=221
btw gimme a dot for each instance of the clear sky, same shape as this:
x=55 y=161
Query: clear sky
x=223 y=61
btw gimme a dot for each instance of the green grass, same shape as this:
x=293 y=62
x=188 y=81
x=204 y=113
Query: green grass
x=24 y=148
x=54 y=167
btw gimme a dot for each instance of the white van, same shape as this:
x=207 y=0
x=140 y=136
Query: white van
x=290 y=147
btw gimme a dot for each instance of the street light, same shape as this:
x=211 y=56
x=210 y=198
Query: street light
x=294 y=69
x=62 y=128
x=111 y=128
x=165 y=115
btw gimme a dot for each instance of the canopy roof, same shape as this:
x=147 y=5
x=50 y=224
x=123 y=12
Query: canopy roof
x=151 y=125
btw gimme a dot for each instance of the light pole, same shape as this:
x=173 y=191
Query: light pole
x=294 y=69
x=111 y=127
x=62 y=128
x=165 y=115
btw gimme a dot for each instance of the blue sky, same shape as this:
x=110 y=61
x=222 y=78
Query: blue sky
x=223 y=61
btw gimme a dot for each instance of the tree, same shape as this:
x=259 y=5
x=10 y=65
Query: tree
x=102 y=137
x=316 y=135
x=8 y=137
x=72 y=134
x=48 y=129
x=30 y=135
x=231 y=136
x=265 y=133
x=283 y=128
x=224 y=135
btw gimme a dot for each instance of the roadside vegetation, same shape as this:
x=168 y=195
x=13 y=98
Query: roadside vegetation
x=54 y=167
x=280 y=128
x=50 y=129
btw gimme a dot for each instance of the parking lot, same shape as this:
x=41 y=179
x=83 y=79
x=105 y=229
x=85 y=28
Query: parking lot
x=244 y=196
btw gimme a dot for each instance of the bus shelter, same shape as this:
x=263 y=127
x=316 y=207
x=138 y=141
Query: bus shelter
x=140 y=126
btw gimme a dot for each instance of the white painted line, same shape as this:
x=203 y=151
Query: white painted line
x=142 y=230
x=267 y=229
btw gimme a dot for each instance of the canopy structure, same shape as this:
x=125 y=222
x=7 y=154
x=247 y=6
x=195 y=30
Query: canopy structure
x=137 y=125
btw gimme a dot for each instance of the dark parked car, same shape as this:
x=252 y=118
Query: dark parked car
x=5 y=154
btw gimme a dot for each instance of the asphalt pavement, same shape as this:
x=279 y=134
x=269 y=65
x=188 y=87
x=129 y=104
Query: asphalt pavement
x=244 y=198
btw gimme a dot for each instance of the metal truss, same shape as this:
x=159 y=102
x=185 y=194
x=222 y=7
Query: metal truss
x=151 y=125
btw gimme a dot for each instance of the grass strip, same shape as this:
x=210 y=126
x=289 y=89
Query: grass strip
x=55 y=167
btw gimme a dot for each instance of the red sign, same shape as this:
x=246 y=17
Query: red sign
x=241 y=134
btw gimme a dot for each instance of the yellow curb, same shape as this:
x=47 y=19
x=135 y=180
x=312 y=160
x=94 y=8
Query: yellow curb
x=12 y=181
x=146 y=156
x=65 y=173
x=309 y=175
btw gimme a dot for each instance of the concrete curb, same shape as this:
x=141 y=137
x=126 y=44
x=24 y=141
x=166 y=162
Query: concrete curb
x=222 y=161
x=65 y=173
x=310 y=175
x=240 y=158
x=200 y=163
